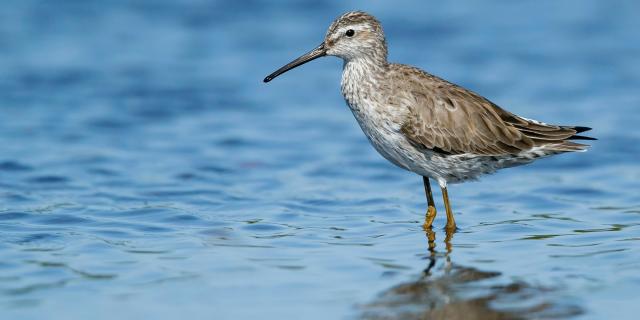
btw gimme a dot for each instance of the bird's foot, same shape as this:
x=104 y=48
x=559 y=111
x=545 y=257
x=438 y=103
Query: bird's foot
x=450 y=227
x=428 y=220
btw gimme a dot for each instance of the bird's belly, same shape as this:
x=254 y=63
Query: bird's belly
x=394 y=147
x=443 y=168
x=391 y=147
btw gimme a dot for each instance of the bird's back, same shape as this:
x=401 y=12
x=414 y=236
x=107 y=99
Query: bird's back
x=448 y=118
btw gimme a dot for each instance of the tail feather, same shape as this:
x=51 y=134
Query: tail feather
x=569 y=146
x=557 y=141
x=579 y=129
x=577 y=137
x=548 y=137
x=547 y=134
x=566 y=146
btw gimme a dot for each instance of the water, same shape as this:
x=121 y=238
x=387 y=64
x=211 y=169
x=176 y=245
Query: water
x=146 y=172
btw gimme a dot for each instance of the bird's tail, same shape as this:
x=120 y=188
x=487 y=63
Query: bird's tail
x=580 y=129
x=570 y=146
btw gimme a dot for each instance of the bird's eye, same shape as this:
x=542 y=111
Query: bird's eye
x=350 y=33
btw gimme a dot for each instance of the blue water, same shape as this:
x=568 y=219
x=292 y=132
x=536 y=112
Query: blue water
x=147 y=172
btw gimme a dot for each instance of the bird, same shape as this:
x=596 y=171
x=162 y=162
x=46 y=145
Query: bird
x=425 y=124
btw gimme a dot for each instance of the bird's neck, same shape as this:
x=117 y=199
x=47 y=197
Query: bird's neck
x=360 y=78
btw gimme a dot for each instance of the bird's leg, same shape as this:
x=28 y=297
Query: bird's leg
x=451 y=223
x=431 y=210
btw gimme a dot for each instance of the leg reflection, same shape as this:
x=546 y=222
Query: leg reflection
x=431 y=242
x=433 y=253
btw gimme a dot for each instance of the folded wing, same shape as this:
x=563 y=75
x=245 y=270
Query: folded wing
x=449 y=119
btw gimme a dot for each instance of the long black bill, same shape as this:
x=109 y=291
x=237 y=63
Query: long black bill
x=316 y=53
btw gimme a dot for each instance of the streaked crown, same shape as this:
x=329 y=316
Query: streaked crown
x=356 y=35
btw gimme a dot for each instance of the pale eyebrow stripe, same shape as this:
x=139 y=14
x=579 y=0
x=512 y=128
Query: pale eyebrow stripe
x=356 y=27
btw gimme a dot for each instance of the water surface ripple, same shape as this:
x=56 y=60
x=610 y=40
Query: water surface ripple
x=146 y=170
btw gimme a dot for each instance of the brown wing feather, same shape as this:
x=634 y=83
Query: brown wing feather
x=450 y=119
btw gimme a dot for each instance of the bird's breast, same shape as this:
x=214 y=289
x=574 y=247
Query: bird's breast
x=380 y=122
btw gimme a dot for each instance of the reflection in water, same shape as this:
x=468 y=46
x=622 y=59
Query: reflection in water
x=431 y=241
x=451 y=291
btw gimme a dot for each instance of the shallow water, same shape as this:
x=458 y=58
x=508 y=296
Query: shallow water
x=147 y=172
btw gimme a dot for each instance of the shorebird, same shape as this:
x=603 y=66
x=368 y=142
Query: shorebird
x=425 y=124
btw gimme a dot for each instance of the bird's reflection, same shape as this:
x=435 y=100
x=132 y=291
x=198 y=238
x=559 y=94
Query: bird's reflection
x=440 y=291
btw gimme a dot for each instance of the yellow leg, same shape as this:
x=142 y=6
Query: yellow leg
x=431 y=210
x=451 y=222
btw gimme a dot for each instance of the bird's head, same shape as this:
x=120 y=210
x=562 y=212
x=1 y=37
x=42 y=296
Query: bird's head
x=352 y=36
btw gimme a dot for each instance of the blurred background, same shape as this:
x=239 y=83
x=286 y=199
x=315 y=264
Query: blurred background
x=146 y=170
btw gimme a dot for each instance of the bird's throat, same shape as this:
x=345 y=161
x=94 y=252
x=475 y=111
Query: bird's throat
x=361 y=77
